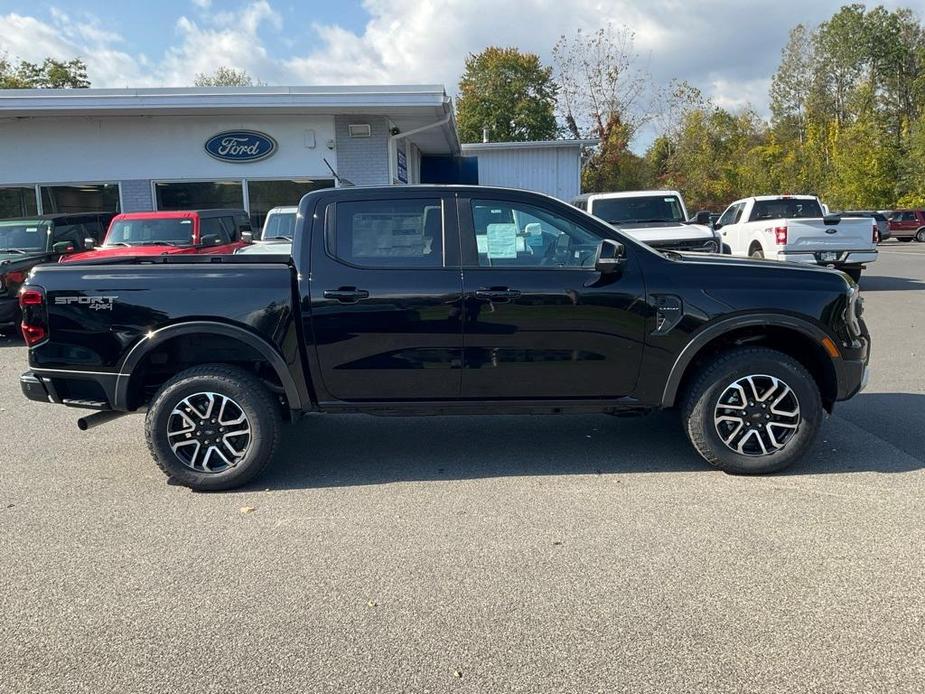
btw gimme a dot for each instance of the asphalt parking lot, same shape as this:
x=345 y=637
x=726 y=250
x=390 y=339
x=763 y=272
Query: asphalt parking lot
x=489 y=554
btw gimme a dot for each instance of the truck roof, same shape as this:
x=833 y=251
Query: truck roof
x=179 y=214
x=625 y=194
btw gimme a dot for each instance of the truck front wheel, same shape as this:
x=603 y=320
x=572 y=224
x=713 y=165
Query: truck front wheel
x=753 y=411
x=213 y=427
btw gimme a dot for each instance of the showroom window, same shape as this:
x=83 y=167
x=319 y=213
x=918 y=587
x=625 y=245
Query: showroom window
x=265 y=195
x=82 y=197
x=17 y=201
x=199 y=195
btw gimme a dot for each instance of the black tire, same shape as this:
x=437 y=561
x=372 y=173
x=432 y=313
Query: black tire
x=702 y=398
x=854 y=273
x=756 y=251
x=246 y=392
x=920 y=236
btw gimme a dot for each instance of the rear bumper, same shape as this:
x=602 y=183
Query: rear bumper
x=843 y=259
x=85 y=390
x=34 y=388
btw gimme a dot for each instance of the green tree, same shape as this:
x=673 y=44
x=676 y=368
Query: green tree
x=50 y=74
x=508 y=92
x=224 y=77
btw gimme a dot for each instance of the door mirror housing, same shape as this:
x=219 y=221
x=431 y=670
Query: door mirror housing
x=702 y=217
x=63 y=247
x=89 y=243
x=611 y=256
x=247 y=236
x=210 y=240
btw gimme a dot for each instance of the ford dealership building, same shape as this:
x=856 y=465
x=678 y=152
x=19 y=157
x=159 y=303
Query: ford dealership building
x=252 y=147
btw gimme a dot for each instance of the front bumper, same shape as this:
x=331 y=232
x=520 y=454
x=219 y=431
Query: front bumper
x=697 y=245
x=853 y=369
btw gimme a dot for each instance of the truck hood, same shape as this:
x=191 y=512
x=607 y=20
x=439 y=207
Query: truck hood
x=665 y=231
x=715 y=259
x=122 y=251
x=11 y=258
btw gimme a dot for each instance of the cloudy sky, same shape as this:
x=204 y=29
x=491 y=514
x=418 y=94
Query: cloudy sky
x=728 y=48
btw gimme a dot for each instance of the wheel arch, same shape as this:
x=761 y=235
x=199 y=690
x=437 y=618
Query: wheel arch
x=127 y=378
x=793 y=336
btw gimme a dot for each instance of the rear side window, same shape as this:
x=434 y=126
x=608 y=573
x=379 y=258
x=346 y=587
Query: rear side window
x=387 y=233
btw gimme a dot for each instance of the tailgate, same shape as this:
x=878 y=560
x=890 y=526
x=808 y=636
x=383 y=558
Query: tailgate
x=850 y=234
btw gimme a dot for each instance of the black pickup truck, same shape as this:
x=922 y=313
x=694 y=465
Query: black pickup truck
x=419 y=300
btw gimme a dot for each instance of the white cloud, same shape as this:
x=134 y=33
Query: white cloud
x=726 y=47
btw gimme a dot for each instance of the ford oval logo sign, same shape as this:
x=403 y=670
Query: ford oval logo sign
x=240 y=146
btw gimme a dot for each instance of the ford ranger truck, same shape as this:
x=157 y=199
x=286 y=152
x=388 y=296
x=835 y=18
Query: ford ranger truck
x=658 y=218
x=797 y=228
x=437 y=300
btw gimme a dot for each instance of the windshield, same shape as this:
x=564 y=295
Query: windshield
x=787 y=208
x=279 y=225
x=151 y=232
x=639 y=210
x=23 y=236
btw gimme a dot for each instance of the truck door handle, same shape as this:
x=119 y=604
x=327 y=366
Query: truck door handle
x=346 y=295
x=497 y=294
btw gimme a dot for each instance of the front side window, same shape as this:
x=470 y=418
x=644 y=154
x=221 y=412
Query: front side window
x=520 y=235
x=151 y=232
x=389 y=233
x=731 y=215
x=22 y=236
x=75 y=233
x=643 y=209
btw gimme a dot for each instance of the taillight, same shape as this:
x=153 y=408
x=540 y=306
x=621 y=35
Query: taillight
x=34 y=315
x=12 y=278
x=876 y=236
x=780 y=236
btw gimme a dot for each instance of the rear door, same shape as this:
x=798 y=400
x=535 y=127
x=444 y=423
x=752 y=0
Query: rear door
x=540 y=322
x=385 y=297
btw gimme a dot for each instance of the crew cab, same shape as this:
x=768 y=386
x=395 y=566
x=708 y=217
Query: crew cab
x=796 y=228
x=658 y=218
x=28 y=241
x=906 y=225
x=166 y=233
x=425 y=300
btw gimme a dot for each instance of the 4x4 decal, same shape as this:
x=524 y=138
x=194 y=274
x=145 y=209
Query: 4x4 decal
x=95 y=303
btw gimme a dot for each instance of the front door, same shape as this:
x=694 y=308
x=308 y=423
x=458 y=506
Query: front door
x=386 y=298
x=218 y=235
x=540 y=322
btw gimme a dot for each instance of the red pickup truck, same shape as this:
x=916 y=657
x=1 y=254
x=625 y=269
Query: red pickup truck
x=167 y=233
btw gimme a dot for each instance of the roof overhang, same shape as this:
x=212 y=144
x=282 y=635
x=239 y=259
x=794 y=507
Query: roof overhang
x=409 y=107
x=476 y=147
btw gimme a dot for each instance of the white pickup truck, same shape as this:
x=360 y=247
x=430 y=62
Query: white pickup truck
x=657 y=218
x=797 y=228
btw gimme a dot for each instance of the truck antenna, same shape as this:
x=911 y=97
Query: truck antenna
x=342 y=181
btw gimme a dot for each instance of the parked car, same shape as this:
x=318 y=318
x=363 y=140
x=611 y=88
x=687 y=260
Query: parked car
x=908 y=224
x=279 y=223
x=655 y=217
x=795 y=228
x=28 y=241
x=881 y=221
x=413 y=300
x=166 y=233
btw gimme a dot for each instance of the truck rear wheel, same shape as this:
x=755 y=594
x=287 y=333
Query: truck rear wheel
x=752 y=411
x=213 y=427
x=920 y=236
x=756 y=251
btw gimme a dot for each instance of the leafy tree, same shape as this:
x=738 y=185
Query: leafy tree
x=509 y=92
x=224 y=77
x=50 y=74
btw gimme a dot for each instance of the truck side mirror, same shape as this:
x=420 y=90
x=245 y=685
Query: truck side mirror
x=210 y=240
x=702 y=217
x=247 y=236
x=89 y=243
x=611 y=256
x=63 y=247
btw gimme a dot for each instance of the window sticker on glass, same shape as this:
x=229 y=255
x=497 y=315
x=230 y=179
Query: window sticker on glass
x=502 y=240
x=31 y=230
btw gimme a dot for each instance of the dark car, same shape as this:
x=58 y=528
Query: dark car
x=425 y=300
x=28 y=241
x=906 y=225
x=883 y=224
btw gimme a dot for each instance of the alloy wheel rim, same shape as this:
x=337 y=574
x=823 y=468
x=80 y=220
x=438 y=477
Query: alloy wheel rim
x=757 y=415
x=209 y=432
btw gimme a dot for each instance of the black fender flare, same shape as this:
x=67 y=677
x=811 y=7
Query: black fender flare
x=151 y=341
x=715 y=330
